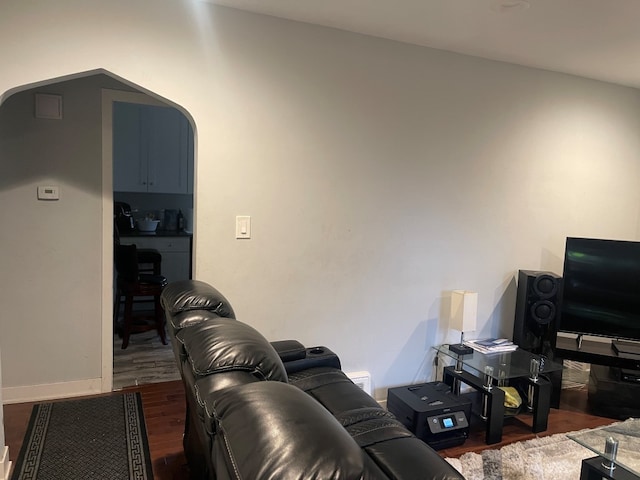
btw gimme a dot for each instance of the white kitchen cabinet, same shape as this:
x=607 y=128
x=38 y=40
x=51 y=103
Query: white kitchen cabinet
x=152 y=149
x=175 y=251
x=129 y=171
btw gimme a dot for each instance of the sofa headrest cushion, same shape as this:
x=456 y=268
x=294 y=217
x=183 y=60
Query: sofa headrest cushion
x=225 y=344
x=189 y=318
x=274 y=430
x=186 y=295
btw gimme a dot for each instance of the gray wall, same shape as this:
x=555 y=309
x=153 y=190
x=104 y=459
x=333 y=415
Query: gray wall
x=379 y=177
x=52 y=247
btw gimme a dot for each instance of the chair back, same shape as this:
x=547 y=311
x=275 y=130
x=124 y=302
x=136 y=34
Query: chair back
x=126 y=262
x=116 y=233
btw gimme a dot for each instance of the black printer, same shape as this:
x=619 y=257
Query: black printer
x=432 y=412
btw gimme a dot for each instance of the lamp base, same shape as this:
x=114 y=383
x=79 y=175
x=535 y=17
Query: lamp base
x=461 y=349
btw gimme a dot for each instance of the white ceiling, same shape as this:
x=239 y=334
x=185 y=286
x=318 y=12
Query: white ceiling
x=597 y=39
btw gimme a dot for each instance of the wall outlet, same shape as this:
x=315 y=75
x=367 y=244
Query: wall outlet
x=362 y=380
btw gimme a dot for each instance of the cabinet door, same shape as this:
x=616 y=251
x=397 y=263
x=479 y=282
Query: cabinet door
x=129 y=161
x=166 y=129
x=175 y=266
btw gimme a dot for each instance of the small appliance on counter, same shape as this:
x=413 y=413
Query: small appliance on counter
x=171 y=220
x=188 y=220
x=124 y=218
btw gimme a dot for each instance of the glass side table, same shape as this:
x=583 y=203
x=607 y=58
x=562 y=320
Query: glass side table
x=617 y=447
x=486 y=372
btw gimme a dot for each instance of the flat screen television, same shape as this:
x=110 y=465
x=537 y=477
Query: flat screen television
x=601 y=289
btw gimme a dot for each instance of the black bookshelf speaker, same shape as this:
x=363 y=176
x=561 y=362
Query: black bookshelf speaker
x=537 y=311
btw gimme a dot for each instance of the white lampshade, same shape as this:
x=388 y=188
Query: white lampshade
x=464 y=310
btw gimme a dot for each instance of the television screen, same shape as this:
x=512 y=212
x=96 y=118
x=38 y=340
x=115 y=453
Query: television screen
x=601 y=294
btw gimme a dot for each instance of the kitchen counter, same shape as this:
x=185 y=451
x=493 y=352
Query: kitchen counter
x=157 y=233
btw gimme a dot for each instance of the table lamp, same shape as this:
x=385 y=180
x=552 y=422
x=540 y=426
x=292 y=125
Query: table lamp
x=464 y=313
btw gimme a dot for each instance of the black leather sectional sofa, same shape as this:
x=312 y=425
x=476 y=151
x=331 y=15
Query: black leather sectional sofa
x=258 y=410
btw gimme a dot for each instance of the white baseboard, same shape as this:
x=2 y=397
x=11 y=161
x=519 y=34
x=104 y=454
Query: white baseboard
x=50 y=391
x=5 y=464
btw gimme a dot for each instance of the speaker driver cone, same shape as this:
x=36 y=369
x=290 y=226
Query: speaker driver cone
x=543 y=312
x=545 y=286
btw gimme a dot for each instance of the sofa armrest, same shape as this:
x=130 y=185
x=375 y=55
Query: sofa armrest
x=296 y=357
x=408 y=457
x=289 y=350
x=314 y=357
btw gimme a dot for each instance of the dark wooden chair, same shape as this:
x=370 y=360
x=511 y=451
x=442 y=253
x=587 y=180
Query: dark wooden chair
x=149 y=261
x=137 y=287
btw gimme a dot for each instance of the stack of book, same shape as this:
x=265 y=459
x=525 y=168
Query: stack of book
x=492 y=345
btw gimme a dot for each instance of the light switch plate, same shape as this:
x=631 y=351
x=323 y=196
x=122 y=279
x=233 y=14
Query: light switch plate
x=243 y=226
x=48 y=192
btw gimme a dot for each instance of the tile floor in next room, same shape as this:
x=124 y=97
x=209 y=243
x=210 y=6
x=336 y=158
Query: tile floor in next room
x=145 y=360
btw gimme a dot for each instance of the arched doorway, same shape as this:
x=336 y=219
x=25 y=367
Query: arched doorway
x=59 y=251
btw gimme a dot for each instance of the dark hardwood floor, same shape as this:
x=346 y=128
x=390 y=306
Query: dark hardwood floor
x=164 y=410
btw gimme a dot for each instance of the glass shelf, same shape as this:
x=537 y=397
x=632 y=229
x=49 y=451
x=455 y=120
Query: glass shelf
x=504 y=365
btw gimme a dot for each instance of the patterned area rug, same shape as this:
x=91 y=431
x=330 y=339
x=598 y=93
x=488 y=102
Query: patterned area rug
x=545 y=458
x=96 y=438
